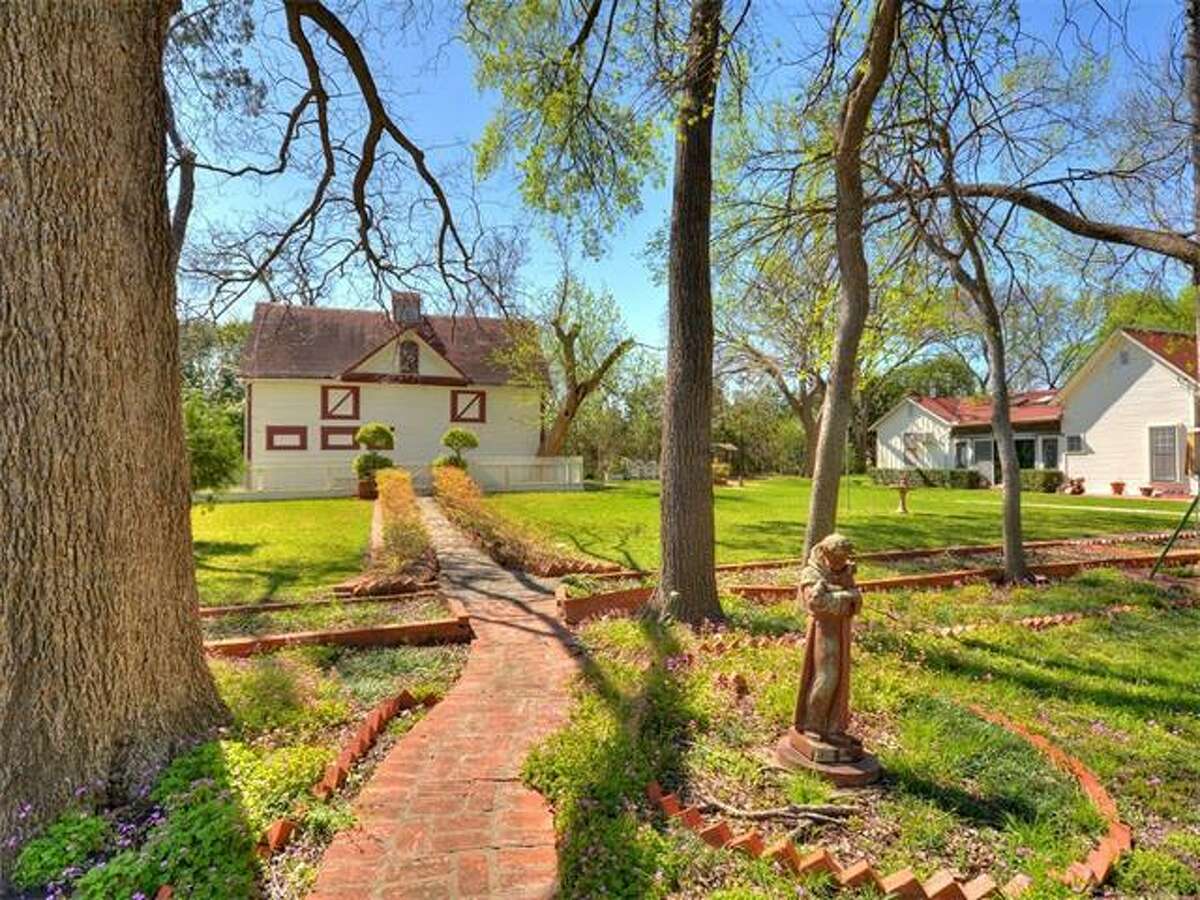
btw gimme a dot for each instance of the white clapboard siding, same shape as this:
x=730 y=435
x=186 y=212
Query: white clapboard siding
x=909 y=418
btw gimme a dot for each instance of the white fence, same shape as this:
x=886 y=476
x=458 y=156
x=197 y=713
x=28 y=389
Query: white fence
x=493 y=473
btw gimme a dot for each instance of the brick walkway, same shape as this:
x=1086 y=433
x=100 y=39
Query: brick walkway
x=445 y=814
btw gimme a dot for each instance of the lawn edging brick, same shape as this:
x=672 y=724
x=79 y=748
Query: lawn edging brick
x=279 y=832
x=241 y=609
x=956 y=577
x=1082 y=876
x=454 y=629
x=574 y=610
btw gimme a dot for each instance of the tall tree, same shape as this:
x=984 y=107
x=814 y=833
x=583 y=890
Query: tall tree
x=854 y=297
x=101 y=670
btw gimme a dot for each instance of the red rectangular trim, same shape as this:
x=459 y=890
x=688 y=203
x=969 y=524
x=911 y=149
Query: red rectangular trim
x=468 y=406
x=295 y=437
x=338 y=437
x=339 y=401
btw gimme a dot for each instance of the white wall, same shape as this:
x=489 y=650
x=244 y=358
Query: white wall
x=1113 y=406
x=420 y=414
x=908 y=417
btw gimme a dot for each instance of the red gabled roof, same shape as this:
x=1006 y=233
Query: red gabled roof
x=1025 y=408
x=1175 y=347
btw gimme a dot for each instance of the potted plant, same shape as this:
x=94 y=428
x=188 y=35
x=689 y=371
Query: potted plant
x=457 y=440
x=1118 y=488
x=374 y=436
x=1147 y=490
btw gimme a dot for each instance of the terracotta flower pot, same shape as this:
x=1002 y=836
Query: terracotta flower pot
x=1118 y=488
x=1147 y=491
x=366 y=489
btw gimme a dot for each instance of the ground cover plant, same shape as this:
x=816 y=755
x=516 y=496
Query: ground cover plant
x=276 y=549
x=505 y=539
x=765 y=519
x=1119 y=693
x=332 y=616
x=405 y=558
x=198 y=826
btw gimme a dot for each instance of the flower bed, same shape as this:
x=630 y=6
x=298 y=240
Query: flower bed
x=199 y=825
x=504 y=540
x=401 y=556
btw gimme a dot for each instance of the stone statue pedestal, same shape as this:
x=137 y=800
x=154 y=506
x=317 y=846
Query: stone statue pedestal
x=845 y=764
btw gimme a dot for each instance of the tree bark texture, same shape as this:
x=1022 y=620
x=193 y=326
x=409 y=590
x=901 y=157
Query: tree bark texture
x=1010 y=468
x=101 y=666
x=854 y=290
x=1192 y=58
x=687 y=587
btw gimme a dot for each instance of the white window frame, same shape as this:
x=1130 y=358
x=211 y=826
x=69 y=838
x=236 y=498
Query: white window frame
x=1178 y=468
x=1067 y=451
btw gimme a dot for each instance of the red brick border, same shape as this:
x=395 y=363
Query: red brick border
x=453 y=630
x=279 y=832
x=922 y=553
x=942 y=885
x=212 y=612
x=958 y=576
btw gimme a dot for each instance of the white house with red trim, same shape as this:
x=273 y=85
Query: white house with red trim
x=1127 y=415
x=313 y=375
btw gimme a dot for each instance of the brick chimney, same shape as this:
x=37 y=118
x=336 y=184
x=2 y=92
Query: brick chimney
x=406 y=308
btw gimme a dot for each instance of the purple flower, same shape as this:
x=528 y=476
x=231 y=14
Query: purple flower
x=24 y=809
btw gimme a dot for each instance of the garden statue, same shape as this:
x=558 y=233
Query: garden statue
x=903 y=488
x=818 y=739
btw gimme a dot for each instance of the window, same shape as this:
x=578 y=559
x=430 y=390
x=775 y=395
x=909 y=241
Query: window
x=287 y=437
x=1050 y=453
x=1074 y=443
x=468 y=406
x=962 y=454
x=1026 y=452
x=983 y=450
x=1164 y=453
x=408 y=356
x=338 y=402
x=338 y=437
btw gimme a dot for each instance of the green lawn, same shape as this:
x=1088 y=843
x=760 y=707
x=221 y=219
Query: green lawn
x=1120 y=693
x=765 y=519
x=246 y=552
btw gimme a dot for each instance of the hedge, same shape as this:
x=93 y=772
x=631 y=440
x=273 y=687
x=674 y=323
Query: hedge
x=1044 y=481
x=954 y=478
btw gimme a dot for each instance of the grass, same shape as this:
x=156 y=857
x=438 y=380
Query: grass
x=1119 y=693
x=323 y=617
x=198 y=826
x=276 y=549
x=765 y=519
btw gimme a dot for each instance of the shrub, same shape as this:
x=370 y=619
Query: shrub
x=214 y=445
x=952 y=478
x=502 y=538
x=404 y=536
x=720 y=472
x=456 y=440
x=367 y=464
x=447 y=460
x=375 y=436
x=1044 y=481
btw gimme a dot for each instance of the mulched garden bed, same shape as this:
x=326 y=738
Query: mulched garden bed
x=418 y=608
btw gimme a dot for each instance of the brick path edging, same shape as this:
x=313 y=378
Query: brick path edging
x=455 y=629
x=279 y=832
x=1082 y=876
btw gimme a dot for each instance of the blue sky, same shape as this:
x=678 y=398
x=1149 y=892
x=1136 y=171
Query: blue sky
x=430 y=80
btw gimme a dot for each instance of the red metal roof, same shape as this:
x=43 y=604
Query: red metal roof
x=1025 y=408
x=1175 y=347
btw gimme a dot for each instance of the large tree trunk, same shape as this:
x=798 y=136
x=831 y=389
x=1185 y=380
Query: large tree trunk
x=809 y=413
x=555 y=439
x=687 y=588
x=101 y=668
x=854 y=291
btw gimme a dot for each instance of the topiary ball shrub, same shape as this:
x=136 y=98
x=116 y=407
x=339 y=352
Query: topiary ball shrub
x=367 y=464
x=456 y=440
x=375 y=436
x=447 y=459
